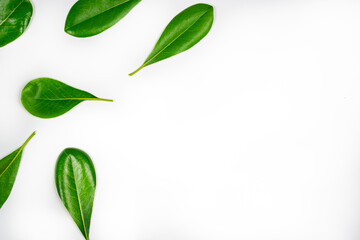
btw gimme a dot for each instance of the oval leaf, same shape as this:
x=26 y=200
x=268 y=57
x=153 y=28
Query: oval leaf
x=91 y=17
x=49 y=98
x=15 y=16
x=76 y=182
x=9 y=166
x=182 y=33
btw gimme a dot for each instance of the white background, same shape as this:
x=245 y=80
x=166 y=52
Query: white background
x=253 y=134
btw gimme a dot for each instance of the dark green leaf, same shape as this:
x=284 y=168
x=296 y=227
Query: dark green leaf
x=91 y=17
x=15 y=16
x=49 y=98
x=9 y=166
x=76 y=182
x=182 y=33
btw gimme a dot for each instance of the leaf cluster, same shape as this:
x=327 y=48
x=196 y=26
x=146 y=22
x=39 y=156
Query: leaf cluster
x=47 y=98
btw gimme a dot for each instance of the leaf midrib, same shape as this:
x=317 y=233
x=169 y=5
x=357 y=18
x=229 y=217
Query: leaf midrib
x=12 y=12
x=65 y=99
x=117 y=5
x=79 y=201
x=147 y=62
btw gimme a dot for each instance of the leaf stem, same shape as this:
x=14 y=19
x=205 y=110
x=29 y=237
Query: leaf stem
x=28 y=140
x=102 y=99
x=137 y=70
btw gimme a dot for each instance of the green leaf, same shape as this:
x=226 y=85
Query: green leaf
x=49 y=98
x=15 y=16
x=76 y=182
x=9 y=166
x=91 y=17
x=182 y=33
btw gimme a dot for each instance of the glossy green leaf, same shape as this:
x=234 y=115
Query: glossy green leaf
x=9 y=166
x=76 y=182
x=182 y=33
x=15 y=16
x=91 y=17
x=49 y=98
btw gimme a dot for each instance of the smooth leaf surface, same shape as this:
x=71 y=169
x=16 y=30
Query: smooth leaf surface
x=91 y=17
x=182 y=33
x=15 y=16
x=9 y=167
x=49 y=98
x=76 y=182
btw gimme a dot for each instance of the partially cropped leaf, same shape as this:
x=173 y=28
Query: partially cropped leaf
x=182 y=33
x=76 y=182
x=15 y=16
x=91 y=17
x=49 y=98
x=9 y=166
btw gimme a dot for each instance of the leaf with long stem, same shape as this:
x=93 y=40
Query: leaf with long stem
x=182 y=33
x=49 y=98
